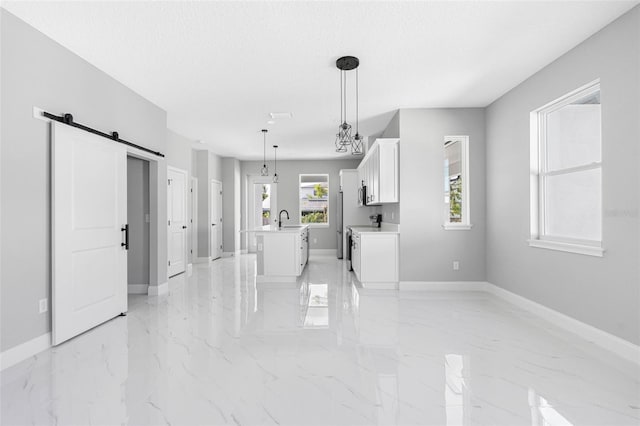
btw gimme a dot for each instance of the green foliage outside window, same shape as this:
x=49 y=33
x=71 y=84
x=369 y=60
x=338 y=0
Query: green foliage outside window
x=455 y=199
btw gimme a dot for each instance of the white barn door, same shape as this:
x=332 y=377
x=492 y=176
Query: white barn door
x=177 y=216
x=89 y=214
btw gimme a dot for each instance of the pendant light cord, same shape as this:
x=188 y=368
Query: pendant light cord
x=357 y=102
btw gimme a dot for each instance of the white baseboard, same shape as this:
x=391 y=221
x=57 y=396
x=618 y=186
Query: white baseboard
x=158 y=290
x=201 y=259
x=323 y=252
x=615 y=344
x=276 y=279
x=137 y=288
x=380 y=285
x=244 y=251
x=443 y=285
x=19 y=353
x=228 y=253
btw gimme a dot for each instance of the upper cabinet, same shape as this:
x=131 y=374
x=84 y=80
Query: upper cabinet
x=378 y=173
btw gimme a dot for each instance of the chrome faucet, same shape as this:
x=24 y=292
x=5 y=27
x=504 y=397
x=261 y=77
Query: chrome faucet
x=280 y=218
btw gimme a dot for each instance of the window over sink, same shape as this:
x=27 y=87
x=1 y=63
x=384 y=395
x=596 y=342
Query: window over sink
x=314 y=199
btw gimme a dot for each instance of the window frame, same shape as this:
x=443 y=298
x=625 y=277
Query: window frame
x=315 y=225
x=465 y=213
x=539 y=172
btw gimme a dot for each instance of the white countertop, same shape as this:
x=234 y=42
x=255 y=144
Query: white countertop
x=390 y=228
x=275 y=229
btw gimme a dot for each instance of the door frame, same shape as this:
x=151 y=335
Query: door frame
x=251 y=181
x=184 y=207
x=158 y=281
x=211 y=213
x=193 y=229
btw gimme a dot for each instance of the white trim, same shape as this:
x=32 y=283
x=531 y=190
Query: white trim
x=615 y=344
x=601 y=338
x=457 y=226
x=189 y=270
x=393 y=285
x=567 y=247
x=201 y=259
x=19 y=353
x=138 y=289
x=464 y=171
x=276 y=279
x=323 y=252
x=159 y=290
x=443 y=286
x=244 y=251
x=228 y=253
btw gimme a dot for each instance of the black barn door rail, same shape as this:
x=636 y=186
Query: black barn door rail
x=68 y=120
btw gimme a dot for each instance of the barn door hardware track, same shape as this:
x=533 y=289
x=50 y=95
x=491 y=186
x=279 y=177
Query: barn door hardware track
x=68 y=120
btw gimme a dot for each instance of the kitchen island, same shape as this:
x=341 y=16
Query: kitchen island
x=282 y=253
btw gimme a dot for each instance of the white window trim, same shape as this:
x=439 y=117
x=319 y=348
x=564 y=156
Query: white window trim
x=315 y=225
x=465 y=223
x=537 y=153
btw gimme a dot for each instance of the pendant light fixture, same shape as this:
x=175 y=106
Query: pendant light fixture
x=275 y=164
x=356 y=145
x=344 y=140
x=264 y=171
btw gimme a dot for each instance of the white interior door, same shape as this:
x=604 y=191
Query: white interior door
x=216 y=219
x=177 y=220
x=89 y=213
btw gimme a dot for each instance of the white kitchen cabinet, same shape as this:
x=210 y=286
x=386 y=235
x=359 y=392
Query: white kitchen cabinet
x=282 y=253
x=375 y=258
x=379 y=172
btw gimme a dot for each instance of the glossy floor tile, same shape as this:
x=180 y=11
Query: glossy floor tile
x=220 y=350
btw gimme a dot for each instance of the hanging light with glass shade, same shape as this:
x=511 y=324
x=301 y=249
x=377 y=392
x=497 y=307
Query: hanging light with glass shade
x=275 y=164
x=344 y=139
x=356 y=144
x=264 y=171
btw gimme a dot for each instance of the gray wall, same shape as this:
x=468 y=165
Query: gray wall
x=137 y=209
x=603 y=292
x=231 y=194
x=427 y=251
x=288 y=193
x=36 y=71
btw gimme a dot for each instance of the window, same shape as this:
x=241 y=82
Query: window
x=566 y=169
x=456 y=183
x=314 y=199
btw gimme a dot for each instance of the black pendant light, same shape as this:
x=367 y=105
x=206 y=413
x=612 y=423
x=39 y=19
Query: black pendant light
x=275 y=164
x=264 y=171
x=344 y=139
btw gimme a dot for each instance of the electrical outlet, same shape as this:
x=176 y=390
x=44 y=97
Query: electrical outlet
x=393 y=215
x=315 y=241
x=456 y=265
x=43 y=306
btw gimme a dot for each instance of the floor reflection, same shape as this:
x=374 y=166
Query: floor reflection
x=221 y=349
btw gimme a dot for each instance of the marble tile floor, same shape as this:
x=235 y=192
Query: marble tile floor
x=220 y=350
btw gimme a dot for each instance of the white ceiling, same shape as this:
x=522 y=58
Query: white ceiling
x=219 y=68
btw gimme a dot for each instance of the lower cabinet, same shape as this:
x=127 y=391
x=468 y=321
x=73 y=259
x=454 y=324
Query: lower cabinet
x=375 y=259
x=281 y=255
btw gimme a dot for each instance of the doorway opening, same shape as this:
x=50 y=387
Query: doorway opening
x=139 y=220
x=262 y=206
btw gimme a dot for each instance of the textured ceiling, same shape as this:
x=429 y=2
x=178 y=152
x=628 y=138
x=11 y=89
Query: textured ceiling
x=219 y=68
